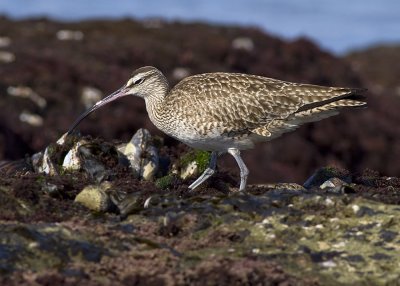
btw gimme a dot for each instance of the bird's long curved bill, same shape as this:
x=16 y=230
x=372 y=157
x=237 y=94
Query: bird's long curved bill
x=116 y=94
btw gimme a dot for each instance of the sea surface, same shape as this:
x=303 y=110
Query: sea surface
x=338 y=26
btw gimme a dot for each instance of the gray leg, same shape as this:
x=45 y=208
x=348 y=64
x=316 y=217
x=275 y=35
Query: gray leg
x=244 y=172
x=207 y=173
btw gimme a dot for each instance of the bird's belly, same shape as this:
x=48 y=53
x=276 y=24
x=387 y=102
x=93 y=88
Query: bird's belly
x=213 y=140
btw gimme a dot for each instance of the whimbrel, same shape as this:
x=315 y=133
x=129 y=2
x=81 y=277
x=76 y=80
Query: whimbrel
x=229 y=112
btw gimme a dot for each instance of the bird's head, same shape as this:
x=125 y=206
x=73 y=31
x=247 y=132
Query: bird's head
x=144 y=82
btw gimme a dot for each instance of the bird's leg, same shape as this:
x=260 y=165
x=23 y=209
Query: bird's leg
x=208 y=172
x=244 y=172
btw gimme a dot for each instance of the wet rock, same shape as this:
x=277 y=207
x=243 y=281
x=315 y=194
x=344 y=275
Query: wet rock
x=27 y=92
x=142 y=155
x=340 y=230
x=190 y=171
x=336 y=185
x=193 y=164
x=243 y=43
x=170 y=225
x=96 y=198
x=97 y=159
x=32 y=119
x=69 y=35
x=51 y=189
x=43 y=163
x=90 y=95
x=6 y=57
x=128 y=204
x=4 y=42
x=72 y=161
x=50 y=160
x=180 y=73
x=70 y=153
x=44 y=246
x=324 y=174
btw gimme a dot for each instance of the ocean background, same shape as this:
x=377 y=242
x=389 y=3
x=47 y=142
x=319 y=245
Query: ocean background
x=337 y=26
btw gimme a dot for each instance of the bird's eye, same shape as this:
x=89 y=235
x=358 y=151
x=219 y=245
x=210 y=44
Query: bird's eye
x=138 y=81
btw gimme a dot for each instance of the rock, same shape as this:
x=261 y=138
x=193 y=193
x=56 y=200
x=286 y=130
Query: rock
x=243 y=43
x=190 y=171
x=69 y=35
x=180 y=72
x=72 y=162
x=47 y=162
x=51 y=189
x=95 y=197
x=193 y=163
x=40 y=247
x=70 y=153
x=90 y=95
x=4 y=42
x=327 y=184
x=94 y=156
x=6 y=57
x=32 y=119
x=336 y=185
x=142 y=155
x=42 y=162
x=27 y=92
x=130 y=203
x=322 y=175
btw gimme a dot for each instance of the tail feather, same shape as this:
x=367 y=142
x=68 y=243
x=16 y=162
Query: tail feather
x=335 y=95
x=277 y=127
x=324 y=111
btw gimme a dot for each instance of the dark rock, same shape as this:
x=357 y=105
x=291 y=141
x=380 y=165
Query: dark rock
x=324 y=174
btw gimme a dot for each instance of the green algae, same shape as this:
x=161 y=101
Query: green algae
x=202 y=158
x=338 y=239
x=165 y=182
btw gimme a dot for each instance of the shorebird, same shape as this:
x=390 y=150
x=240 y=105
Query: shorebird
x=229 y=112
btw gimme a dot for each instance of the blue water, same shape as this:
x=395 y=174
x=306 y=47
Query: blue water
x=337 y=25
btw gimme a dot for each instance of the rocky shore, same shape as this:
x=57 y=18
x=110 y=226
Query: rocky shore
x=114 y=208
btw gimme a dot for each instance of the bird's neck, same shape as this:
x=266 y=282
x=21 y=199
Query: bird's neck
x=155 y=101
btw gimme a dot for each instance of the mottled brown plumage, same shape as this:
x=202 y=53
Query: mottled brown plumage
x=229 y=112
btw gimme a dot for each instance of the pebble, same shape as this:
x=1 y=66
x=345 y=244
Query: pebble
x=27 y=92
x=6 y=57
x=328 y=264
x=69 y=35
x=180 y=72
x=5 y=42
x=31 y=118
x=90 y=96
x=243 y=43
